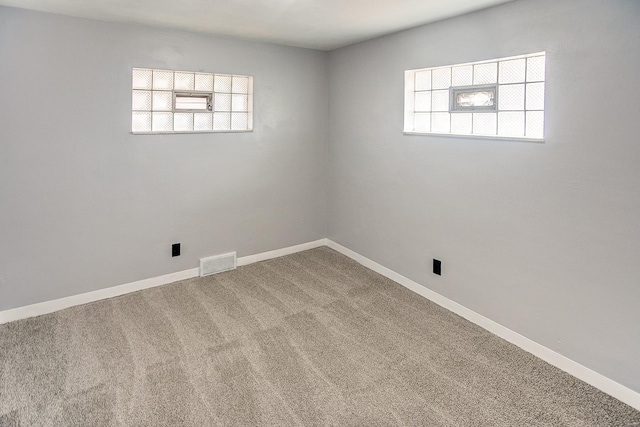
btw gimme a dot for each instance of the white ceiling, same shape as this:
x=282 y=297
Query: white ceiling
x=317 y=24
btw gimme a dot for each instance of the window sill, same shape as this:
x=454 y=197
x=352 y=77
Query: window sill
x=489 y=137
x=190 y=132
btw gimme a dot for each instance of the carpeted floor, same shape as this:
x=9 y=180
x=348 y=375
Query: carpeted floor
x=307 y=339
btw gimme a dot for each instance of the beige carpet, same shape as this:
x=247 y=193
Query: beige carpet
x=308 y=339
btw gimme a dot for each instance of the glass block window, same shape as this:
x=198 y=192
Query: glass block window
x=501 y=97
x=165 y=101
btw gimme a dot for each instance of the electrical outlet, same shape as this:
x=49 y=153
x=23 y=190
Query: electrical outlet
x=175 y=249
x=437 y=267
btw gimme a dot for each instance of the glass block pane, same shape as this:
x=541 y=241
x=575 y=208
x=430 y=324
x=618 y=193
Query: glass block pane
x=141 y=100
x=221 y=121
x=512 y=71
x=535 y=68
x=461 y=123
x=441 y=122
x=162 y=80
x=239 y=121
x=423 y=101
x=535 y=96
x=239 y=102
x=440 y=100
x=423 y=80
x=240 y=84
x=422 y=122
x=204 y=82
x=485 y=73
x=462 y=76
x=162 y=101
x=222 y=83
x=222 y=101
x=162 y=122
x=484 y=123
x=203 y=121
x=511 y=124
x=535 y=124
x=141 y=122
x=511 y=97
x=183 y=81
x=441 y=78
x=142 y=78
x=183 y=122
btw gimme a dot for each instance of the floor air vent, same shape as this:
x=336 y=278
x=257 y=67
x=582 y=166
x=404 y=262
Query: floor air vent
x=217 y=264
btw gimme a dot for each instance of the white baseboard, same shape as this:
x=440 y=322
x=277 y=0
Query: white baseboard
x=250 y=259
x=599 y=381
x=47 y=307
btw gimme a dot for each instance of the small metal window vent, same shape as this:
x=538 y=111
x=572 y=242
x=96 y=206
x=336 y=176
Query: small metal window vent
x=192 y=101
x=473 y=98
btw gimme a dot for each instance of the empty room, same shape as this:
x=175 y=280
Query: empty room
x=320 y=213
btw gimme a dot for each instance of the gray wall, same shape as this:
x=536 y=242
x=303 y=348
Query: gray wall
x=86 y=205
x=542 y=238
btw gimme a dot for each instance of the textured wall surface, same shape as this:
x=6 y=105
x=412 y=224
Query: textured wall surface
x=542 y=238
x=87 y=205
